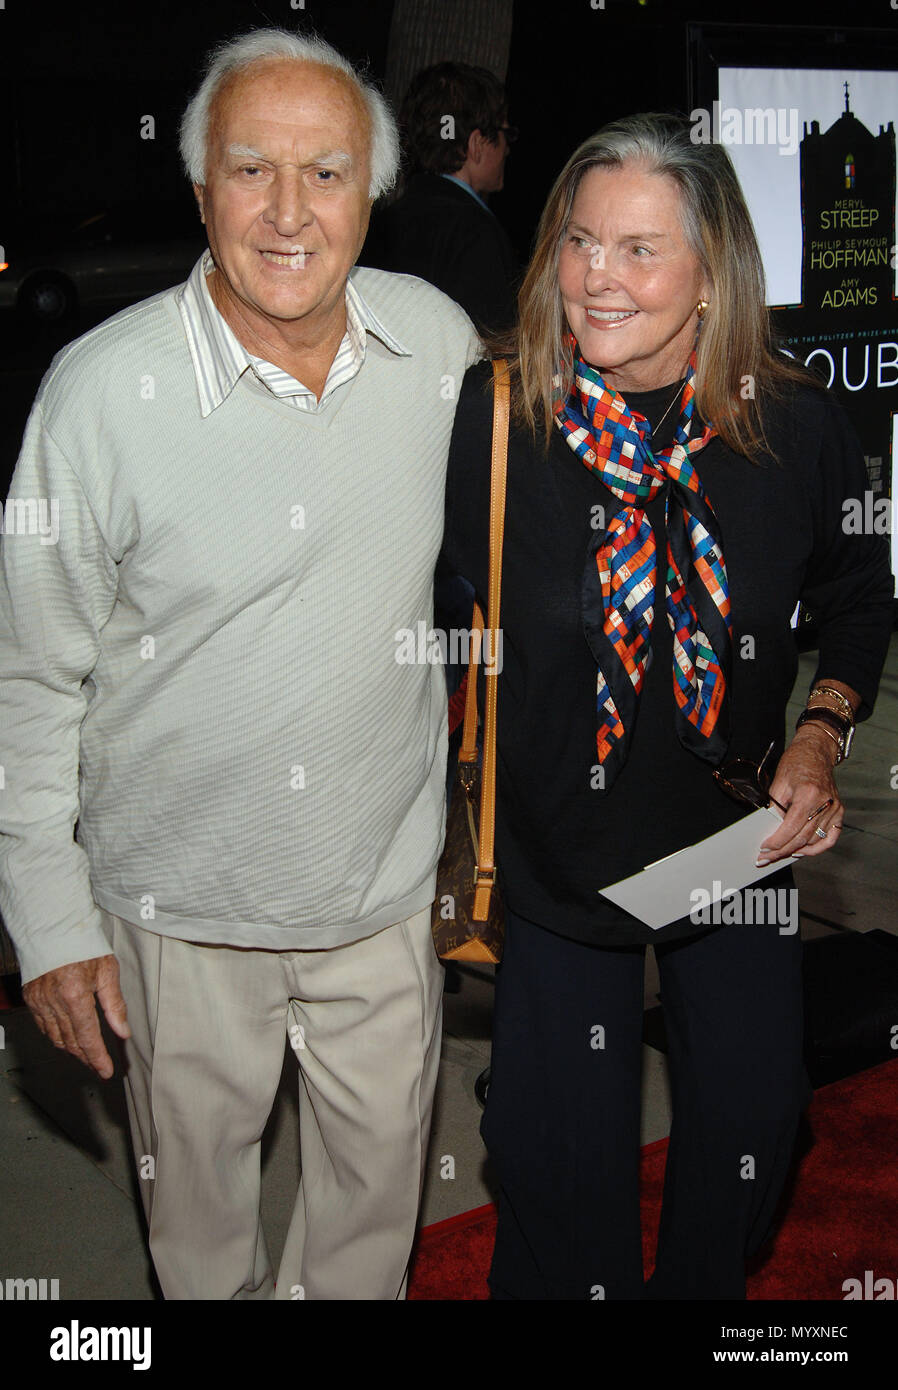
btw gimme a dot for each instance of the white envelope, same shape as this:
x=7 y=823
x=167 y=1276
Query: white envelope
x=699 y=875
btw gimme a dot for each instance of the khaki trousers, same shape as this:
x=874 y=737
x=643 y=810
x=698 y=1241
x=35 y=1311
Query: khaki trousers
x=203 y=1063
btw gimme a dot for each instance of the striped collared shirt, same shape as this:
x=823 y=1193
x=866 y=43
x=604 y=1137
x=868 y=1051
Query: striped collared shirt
x=220 y=359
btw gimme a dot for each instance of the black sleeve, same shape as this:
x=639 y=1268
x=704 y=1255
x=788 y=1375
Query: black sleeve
x=849 y=585
x=466 y=535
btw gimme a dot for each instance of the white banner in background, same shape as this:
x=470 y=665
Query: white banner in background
x=770 y=179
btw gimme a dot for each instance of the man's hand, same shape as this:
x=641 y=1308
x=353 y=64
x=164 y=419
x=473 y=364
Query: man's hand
x=64 y=1008
x=804 y=782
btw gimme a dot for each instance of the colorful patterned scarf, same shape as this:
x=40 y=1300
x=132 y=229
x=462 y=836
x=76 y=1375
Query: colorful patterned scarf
x=619 y=588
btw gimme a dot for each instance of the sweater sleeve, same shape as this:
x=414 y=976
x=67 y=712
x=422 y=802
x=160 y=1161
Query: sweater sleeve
x=56 y=591
x=849 y=585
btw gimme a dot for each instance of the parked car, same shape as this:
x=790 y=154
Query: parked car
x=110 y=258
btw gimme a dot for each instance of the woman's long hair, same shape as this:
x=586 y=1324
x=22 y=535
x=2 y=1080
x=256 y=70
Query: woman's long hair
x=737 y=363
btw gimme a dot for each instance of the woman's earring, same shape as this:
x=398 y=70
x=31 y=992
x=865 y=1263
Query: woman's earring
x=701 y=306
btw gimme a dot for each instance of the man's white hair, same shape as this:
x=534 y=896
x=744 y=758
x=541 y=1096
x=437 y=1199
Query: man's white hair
x=235 y=54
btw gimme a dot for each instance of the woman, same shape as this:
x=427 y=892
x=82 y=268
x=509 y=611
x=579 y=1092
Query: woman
x=675 y=486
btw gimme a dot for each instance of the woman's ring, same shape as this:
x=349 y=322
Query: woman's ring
x=821 y=833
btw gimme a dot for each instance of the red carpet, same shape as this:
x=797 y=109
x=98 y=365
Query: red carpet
x=842 y=1217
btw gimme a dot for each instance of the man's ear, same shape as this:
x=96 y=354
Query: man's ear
x=476 y=143
x=198 y=193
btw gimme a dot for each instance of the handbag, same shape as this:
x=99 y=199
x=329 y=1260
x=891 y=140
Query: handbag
x=468 y=919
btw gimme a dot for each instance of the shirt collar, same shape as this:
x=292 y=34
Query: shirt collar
x=468 y=189
x=368 y=322
x=220 y=359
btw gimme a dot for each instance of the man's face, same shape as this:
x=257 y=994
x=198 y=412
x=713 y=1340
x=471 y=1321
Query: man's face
x=488 y=173
x=493 y=171
x=286 y=201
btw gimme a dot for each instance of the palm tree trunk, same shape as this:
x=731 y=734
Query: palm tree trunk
x=423 y=32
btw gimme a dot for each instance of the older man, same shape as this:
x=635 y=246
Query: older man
x=202 y=672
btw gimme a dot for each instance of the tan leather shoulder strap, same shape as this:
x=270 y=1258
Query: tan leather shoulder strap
x=467 y=753
x=486 y=868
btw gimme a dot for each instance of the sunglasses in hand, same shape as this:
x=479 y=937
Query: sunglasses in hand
x=749 y=782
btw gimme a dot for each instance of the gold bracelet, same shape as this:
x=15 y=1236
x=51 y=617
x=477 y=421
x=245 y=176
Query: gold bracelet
x=818 y=723
x=843 y=702
x=837 y=710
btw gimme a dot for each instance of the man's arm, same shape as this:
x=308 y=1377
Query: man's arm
x=57 y=588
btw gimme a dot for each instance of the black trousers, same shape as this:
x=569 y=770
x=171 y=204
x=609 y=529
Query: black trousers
x=562 y=1121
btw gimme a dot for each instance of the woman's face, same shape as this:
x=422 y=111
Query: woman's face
x=628 y=280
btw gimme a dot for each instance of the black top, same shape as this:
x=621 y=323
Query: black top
x=558 y=838
x=440 y=232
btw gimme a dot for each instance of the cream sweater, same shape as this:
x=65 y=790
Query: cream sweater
x=211 y=638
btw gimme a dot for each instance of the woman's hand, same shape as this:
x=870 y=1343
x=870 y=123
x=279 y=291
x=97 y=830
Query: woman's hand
x=803 y=783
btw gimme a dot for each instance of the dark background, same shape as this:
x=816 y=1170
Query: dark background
x=76 y=79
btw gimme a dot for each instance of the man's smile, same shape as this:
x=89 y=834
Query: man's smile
x=287 y=260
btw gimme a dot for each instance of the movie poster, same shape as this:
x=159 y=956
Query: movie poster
x=815 y=153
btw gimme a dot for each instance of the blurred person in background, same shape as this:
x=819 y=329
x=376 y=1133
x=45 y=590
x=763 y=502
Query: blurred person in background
x=455 y=139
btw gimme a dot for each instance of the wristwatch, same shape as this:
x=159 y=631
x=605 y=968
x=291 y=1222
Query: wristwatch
x=842 y=730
